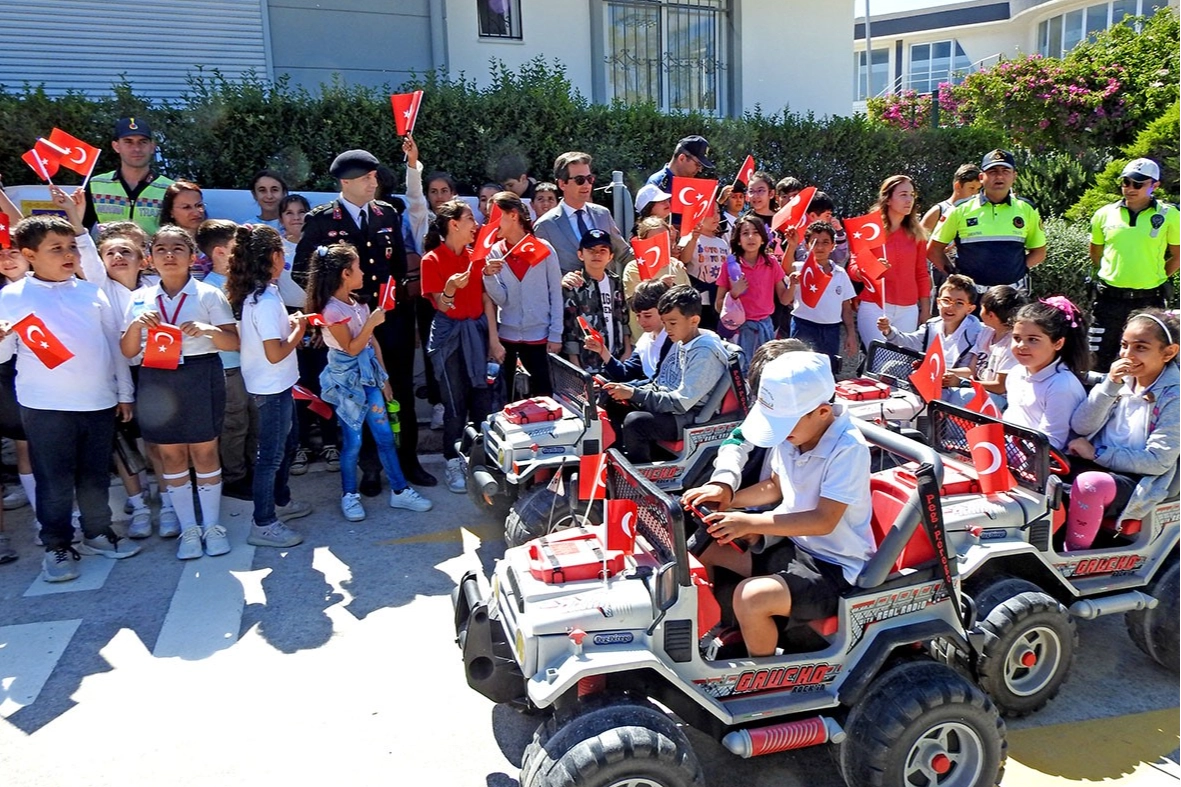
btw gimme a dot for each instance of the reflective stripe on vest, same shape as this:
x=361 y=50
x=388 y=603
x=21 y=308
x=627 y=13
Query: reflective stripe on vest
x=111 y=202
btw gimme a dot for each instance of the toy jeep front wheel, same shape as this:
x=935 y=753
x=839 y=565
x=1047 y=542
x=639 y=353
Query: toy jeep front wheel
x=1155 y=630
x=537 y=512
x=922 y=723
x=623 y=744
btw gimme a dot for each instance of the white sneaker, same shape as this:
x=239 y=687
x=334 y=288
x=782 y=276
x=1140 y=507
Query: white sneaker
x=141 y=523
x=189 y=545
x=350 y=506
x=293 y=510
x=169 y=523
x=15 y=499
x=437 y=414
x=410 y=500
x=216 y=541
x=108 y=545
x=275 y=534
x=456 y=475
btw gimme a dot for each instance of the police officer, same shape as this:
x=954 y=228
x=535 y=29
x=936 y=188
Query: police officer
x=375 y=229
x=1134 y=249
x=998 y=235
x=133 y=192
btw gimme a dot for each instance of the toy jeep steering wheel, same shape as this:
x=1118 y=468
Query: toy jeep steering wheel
x=1059 y=464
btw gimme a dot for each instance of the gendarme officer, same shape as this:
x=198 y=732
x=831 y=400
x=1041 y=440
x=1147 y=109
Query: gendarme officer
x=375 y=229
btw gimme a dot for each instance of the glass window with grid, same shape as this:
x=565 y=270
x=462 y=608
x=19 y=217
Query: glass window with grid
x=1058 y=35
x=933 y=64
x=881 y=73
x=499 y=18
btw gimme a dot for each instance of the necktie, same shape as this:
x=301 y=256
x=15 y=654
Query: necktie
x=365 y=222
x=580 y=214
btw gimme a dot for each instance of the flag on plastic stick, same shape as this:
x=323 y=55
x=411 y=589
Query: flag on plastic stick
x=652 y=254
x=813 y=281
x=406 y=111
x=73 y=153
x=928 y=378
x=162 y=350
x=865 y=233
x=622 y=517
x=41 y=341
x=319 y=320
x=745 y=171
x=692 y=199
x=557 y=484
x=988 y=455
x=315 y=403
x=387 y=295
x=795 y=212
x=43 y=161
x=981 y=402
x=589 y=332
x=592 y=477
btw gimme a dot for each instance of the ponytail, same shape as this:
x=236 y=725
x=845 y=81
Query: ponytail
x=436 y=234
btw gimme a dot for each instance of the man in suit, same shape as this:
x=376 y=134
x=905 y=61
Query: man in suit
x=375 y=229
x=564 y=226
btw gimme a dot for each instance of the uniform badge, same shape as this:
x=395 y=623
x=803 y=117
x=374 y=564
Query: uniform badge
x=972 y=222
x=1018 y=222
x=389 y=253
x=331 y=233
x=1157 y=221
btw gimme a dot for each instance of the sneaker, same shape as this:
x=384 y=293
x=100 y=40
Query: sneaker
x=437 y=414
x=299 y=465
x=410 y=500
x=456 y=475
x=169 y=523
x=128 y=507
x=60 y=565
x=216 y=541
x=350 y=506
x=141 y=523
x=293 y=510
x=331 y=457
x=7 y=553
x=273 y=535
x=15 y=499
x=188 y=546
x=108 y=545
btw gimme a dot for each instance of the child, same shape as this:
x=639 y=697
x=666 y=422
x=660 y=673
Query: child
x=292 y=209
x=181 y=409
x=1050 y=344
x=820 y=325
x=660 y=409
x=1127 y=460
x=599 y=302
x=992 y=358
x=355 y=380
x=751 y=276
x=650 y=349
x=269 y=369
x=239 y=430
x=706 y=264
x=821 y=209
x=545 y=199
x=69 y=411
x=484 y=194
x=820 y=479
x=955 y=325
x=672 y=273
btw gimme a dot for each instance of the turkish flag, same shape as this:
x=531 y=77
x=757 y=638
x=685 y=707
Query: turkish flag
x=162 y=350
x=43 y=160
x=592 y=477
x=865 y=234
x=590 y=332
x=485 y=240
x=5 y=235
x=74 y=153
x=387 y=295
x=928 y=378
x=867 y=264
x=652 y=254
x=982 y=403
x=795 y=212
x=692 y=198
x=315 y=403
x=319 y=321
x=529 y=250
x=406 y=111
x=988 y=455
x=745 y=171
x=494 y=215
x=874 y=292
x=41 y=342
x=622 y=517
x=813 y=281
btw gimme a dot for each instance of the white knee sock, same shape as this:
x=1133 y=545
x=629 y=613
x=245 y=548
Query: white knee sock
x=30 y=487
x=209 y=493
x=182 y=499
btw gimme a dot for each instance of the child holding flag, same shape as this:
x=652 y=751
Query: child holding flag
x=756 y=280
x=823 y=296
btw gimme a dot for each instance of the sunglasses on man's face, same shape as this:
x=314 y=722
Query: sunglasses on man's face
x=1134 y=184
x=582 y=180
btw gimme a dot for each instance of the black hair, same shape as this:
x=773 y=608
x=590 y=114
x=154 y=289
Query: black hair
x=509 y=202
x=1061 y=319
x=31 y=231
x=443 y=176
x=647 y=295
x=214 y=233
x=821 y=202
x=967 y=173
x=291 y=199
x=251 y=264
x=765 y=177
x=451 y=210
x=327 y=267
x=958 y=281
x=1003 y=301
x=180 y=232
x=174 y=190
x=490 y=185
x=682 y=297
x=767 y=352
x=820 y=226
x=511 y=166
x=268 y=173
x=1150 y=318
x=789 y=184
x=736 y=235
x=387 y=183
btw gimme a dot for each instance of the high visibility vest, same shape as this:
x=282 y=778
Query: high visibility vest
x=111 y=202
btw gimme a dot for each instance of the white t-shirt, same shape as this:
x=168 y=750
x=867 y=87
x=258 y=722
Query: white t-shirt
x=336 y=310
x=196 y=301
x=1044 y=401
x=996 y=357
x=293 y=295
x=710 y=257
x=648 y=349
x=261 y=321
x=836 y=469
x=828 y=310
x=609 y=316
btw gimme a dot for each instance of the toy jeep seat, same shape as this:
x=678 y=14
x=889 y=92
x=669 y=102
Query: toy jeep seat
x=728 y=398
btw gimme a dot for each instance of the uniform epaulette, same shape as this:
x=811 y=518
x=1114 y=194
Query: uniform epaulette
x=327 y=206
x=1026 y=200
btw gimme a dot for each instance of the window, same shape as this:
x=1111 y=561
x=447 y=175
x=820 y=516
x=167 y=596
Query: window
x=499 y=18
x=1096 y=19
x=881 y=74
x=1072 y=30
x=933 y=64
x=668 y=52
x=1059 y=34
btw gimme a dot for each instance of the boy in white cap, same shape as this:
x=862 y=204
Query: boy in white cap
x=819 y=480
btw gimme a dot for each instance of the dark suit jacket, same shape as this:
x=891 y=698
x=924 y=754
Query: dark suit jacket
x=555 y=228
x=381 y=252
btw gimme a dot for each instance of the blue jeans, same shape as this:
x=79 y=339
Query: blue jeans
x=278 y=439
x=379 y=427
x=754 y=334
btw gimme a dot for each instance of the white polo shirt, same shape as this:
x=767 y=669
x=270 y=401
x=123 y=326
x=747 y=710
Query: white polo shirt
x=196 y=301
x=836 y=469
x=261 y=321
x=1044 y=401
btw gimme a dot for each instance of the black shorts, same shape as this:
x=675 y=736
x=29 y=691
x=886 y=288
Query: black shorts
x=182 y=405
x=816 y=585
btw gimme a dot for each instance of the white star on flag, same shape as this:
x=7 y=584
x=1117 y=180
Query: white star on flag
x=857 y=235
x=812 y=288
x=45 y=345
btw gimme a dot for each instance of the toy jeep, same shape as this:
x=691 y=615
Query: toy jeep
x=1027 y=590
x=602 y=656
x=885 y=394
x=511 y=460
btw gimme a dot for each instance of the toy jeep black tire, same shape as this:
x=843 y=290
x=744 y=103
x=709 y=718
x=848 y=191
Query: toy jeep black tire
x=923 y=723
x=537 y=512
x=1155 y=630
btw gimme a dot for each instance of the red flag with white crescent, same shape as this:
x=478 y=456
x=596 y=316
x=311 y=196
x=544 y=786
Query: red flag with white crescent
x=42 y=159
x=692 y=199
x=865 y=234
x=406 y=111
x=982 y=403
x=813 y=281
x=988 y=455
x=592 y=477
x=795 y=212
x=652 y=254
x=874 y=292
x=387 y=295
x=622 y=517
x=746 y=171
x=530 y=250
x=41 y=341
x=73 y=153
x=162 y=350
x=485 y=240
x=5 y=234
x=319 y=320
x=928 y=378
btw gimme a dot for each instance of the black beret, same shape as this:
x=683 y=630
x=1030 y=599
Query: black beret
x=353 y=164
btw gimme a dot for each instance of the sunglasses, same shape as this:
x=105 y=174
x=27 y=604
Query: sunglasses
x=582 y=180
x=1134 y=184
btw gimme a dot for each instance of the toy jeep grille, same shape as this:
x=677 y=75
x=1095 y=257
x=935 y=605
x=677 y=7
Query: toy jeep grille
x=661 y=522
x=572 y=386
x=1027 y=450
x=892 y=365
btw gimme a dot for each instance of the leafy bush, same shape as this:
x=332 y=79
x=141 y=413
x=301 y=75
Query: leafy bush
x=1067 y=263
x=1055 y=181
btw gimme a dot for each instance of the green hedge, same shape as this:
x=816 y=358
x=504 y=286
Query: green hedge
x=223 y=130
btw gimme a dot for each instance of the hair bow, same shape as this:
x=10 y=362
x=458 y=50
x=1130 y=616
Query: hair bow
x=1063 y=304
x=321 y=251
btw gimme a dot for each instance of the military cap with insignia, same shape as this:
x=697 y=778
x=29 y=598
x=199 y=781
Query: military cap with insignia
x=353 y=164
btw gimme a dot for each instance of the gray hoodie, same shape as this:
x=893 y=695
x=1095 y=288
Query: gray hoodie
x=689 y=373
